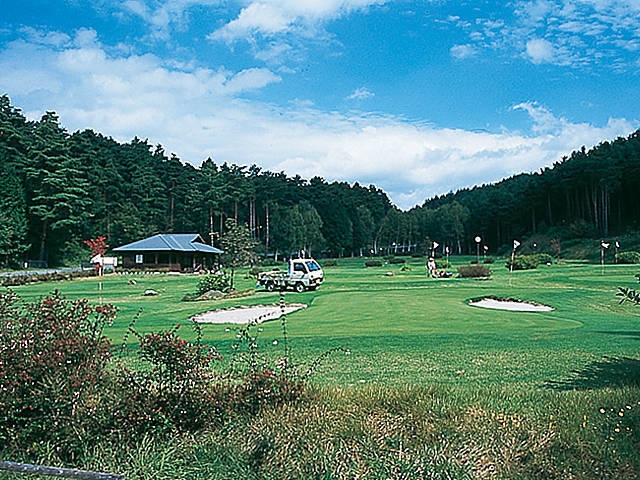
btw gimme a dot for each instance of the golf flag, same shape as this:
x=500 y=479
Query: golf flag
x=435 y=245
x=516 y=244
x=605 y=245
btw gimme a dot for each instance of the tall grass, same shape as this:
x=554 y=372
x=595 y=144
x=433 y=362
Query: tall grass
x=413 y=432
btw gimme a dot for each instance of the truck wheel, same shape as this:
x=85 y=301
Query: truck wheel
x=270 y=287
x=299 y=287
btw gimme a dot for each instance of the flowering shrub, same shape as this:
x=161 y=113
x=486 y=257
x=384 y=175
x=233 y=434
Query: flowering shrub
x=174 y=392
x=60 y=389
x=53 y=367
x=98 y=246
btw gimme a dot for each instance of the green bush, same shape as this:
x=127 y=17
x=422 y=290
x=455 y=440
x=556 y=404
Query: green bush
x=442 y=263
x=543 y=258
x=255 y=271
x=17 y=280
x=396 y=261
x=628 y=257
x=474 y=271
x=269 y=262
x=529 y=262
x=373 y=263
x=216 y=281
x=523 y=262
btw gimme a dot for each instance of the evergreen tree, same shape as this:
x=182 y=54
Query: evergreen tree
x=56 y=190
x=238 y=245
x=13 y=220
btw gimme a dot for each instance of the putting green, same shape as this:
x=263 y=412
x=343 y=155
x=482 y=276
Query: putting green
x=425 y=311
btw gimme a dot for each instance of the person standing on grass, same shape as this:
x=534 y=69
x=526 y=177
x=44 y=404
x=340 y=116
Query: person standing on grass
x=431 y=267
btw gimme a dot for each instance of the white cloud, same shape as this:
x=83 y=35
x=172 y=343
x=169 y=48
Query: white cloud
x=250 y=79
x=39 y=37
x=573 y=33
x=163 y=15
x=463 y=51
x=361 y=93
x=278 y=16
x=196 y=113
x=265 y=18
x=539 y=50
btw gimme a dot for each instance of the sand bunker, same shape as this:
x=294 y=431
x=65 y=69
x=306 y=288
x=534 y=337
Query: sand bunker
x=243 y=315
x=509 y=304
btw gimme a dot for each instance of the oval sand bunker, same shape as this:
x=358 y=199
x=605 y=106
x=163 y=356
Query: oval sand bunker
x=241 y=315
x=509 y=304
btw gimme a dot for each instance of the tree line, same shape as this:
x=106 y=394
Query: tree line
x=60 y=188
x=588 y=194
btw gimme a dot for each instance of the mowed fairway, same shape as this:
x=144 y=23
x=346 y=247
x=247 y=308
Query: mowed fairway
x=407 y=329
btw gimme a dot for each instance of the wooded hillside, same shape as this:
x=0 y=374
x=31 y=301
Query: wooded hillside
x=60 y=189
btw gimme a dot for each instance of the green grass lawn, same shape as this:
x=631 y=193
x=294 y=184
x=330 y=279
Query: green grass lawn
x=407 y=329
x=432 y=388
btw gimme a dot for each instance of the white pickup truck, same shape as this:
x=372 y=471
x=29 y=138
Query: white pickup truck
x=302 y=274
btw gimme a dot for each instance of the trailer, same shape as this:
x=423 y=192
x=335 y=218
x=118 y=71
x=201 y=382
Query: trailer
x=302 y=274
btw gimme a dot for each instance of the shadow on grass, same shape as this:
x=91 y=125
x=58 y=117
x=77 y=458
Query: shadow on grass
x=610 y=372
x=622 y=333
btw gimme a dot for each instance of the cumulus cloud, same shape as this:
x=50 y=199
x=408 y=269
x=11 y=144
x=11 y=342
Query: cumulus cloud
x=265 y=18
x=539 y=50
x=197 y=113
x=278 y=16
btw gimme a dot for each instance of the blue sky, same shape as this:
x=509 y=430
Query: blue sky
x=419 y=98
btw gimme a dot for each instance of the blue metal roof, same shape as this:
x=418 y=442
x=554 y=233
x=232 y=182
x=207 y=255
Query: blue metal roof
x=169 y=242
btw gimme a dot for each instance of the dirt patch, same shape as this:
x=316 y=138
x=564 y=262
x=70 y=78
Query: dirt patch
x=509 y=304
x=243 y=315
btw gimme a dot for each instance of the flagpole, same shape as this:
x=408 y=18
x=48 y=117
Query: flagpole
x=603 y=247
x=513 y=257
